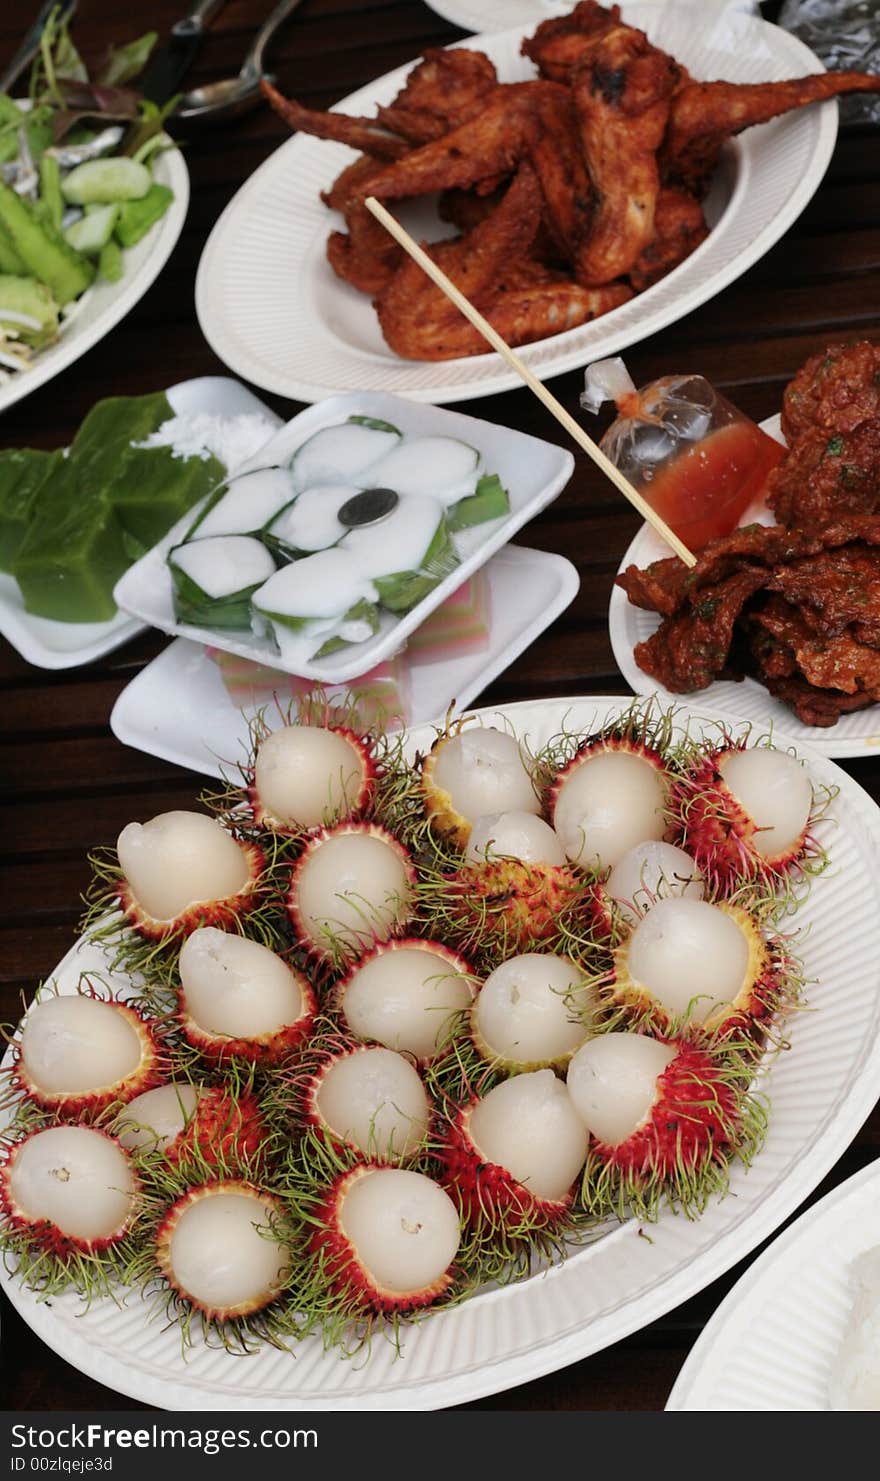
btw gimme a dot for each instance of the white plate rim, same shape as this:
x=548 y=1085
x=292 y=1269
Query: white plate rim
x=837 y=741
x=829 y=1212
x=170 y=169
x=573 y=348
x=740 y=1235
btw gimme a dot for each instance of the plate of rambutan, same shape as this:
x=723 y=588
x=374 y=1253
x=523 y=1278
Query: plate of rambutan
x=380 y=1066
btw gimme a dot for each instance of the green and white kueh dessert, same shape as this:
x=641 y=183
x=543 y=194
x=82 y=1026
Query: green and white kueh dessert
x=360 y=521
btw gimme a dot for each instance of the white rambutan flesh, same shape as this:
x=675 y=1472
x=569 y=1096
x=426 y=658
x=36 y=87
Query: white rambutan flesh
x=351 y=889
x=612 y=1082
x=154 y=1119
x=690 y=957
x=76 y=1179
x=407 y=998
x=306 y=776
x=483 y=771
x=652 y=871
x=218 y=1251
x=237 y=987
x=77 y=1044
x=606 y=804
x=533 y=1010
x=774 y=790
x=180 y=859
x=375 y=1100
x=528 y=1126
x=514 y=835
x=404 y=1228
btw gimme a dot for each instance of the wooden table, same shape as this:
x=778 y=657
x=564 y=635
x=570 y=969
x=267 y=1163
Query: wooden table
x=69 y=784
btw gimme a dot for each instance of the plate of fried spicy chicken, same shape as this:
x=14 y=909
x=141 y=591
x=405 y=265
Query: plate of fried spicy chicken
x=584 y=183
x=781 y=618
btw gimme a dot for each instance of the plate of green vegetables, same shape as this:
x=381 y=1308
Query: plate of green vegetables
x=93 y=196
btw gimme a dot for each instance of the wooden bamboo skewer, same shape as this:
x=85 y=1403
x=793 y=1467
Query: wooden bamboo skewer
x=573 y=428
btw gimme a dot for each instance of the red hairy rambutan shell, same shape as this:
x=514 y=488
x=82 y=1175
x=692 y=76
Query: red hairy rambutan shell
x=714 y=826
x=304 y=791
x=487 y=1191
x=209 y=1249
x=223 y=1130
x=79 y=1104
x=84 y=1174
x=351 y=887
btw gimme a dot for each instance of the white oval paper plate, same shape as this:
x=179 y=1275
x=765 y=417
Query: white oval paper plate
x=498 y=15
x=104 y=304
x=774 y=1340
x=821 y=1091
x=273 y=310
x=857 y=734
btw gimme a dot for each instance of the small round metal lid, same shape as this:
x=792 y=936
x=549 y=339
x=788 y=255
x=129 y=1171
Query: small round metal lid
x=368 y=507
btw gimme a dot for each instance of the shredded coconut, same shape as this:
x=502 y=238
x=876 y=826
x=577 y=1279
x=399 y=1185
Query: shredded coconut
x=232 y=440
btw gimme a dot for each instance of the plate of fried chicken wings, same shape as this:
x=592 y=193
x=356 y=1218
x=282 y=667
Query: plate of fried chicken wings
x=585 y=184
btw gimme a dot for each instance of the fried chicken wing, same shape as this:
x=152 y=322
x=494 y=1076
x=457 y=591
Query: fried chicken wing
x=705 y=114
x=364 y=134
x=622 y=93
x=679 y=227
x=560 y=44
x=446 y=88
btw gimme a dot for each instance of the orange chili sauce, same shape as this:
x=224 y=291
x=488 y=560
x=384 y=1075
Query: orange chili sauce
x=703 y=493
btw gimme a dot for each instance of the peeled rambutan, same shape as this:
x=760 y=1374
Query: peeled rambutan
x=351 y=887
x=408 y=995
x=532 y=1011
x=79 y=1054
x=689 y=964
x=513 y=1156
x=649 y=872
x=368 y=1100
x=239 y=1000
x=611 y=796
x=662 y=1117
x=385 y=1239
x=471 y=771
x=216 y=1248
x=183 y=869
x=745 y=812
x=205 y=1124
x=309 y=776
x=68 y=1189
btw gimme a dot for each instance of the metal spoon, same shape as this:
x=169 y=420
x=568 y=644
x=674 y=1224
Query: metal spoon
x=235 y=94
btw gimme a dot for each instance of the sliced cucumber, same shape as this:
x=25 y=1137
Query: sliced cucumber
x=106 y=181
x=93 y=230
x=29 y=297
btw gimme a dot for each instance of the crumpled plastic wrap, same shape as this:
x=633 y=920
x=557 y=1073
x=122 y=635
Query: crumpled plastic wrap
x=845 y=34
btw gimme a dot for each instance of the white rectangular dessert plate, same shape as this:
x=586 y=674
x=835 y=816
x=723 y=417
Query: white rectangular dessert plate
x=534 y=472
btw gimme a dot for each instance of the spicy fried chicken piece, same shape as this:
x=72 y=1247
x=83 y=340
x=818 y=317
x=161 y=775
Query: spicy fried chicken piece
x=819 y=707
x=832 y=588
x=622 y=93
x=365 y=255
x=560 y=44
x=836 y=389
x=442 y=91
x=523 y=299
x=840 y=662
x=689 y=651
x=360 y=133
x=359 y=172
x=825 y=475
x=555 y=153
x=705 y=114
x=679 y=228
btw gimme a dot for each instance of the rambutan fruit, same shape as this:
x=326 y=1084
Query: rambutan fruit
x=240 y=1001
x=369 y=1101
x=513 y=835
x=746 y=813
x=183 y=869
x=78 y=1054
x=351 y=887
x=203 y=1124
x=407 y=995
x=500 y=906
x=663 y=1117
x=217 y=1249
x=512 y=1157
x=649 y=872
x=609 y=797
x=689 y=964
x=309 y=776
x=67 y=1191
x=384 y=1240
x=471 y=771
x=532 y=1011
